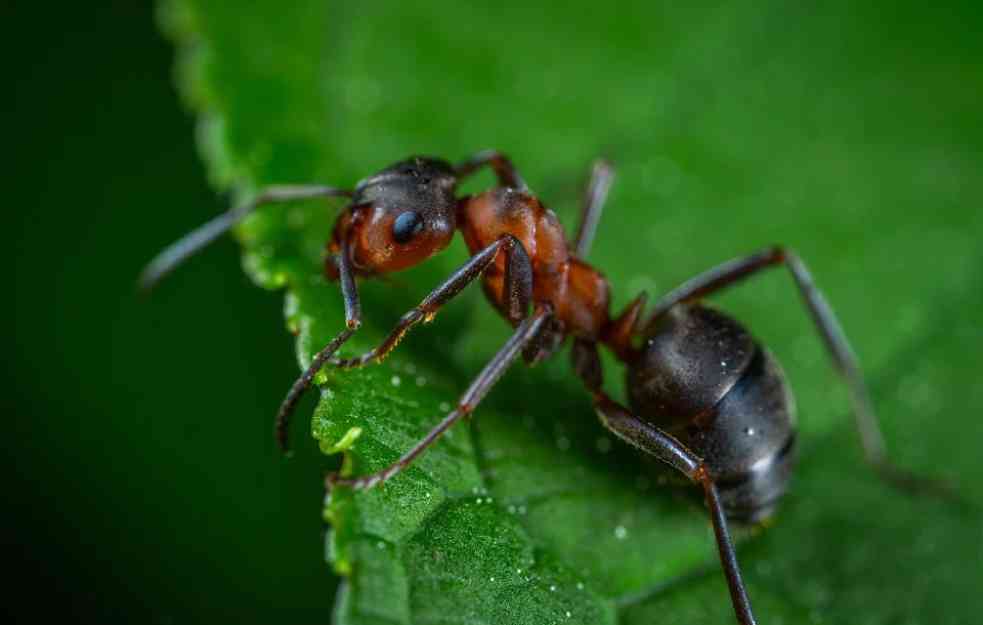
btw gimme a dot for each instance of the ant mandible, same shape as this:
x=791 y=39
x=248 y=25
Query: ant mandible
x=705 y=396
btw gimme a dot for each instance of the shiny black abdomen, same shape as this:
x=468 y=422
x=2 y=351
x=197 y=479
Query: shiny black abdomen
x=702 y=377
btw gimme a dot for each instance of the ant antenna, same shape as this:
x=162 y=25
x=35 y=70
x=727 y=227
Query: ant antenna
x=196 y=240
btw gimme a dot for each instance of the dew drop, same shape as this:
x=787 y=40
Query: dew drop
x=552 y=588
x=620 y=532
x=421 y=381
x=395 y=380
x=580 y=585
x=444 y=406
x=750 y=431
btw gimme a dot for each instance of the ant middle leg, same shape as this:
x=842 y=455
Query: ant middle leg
x=871 y=438
x=518 y=287
x=483 y=383
x=651 y=440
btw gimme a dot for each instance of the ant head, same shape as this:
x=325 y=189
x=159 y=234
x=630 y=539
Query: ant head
x=402 y=215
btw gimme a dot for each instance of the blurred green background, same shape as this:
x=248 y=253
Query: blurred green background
x=132 y=496
x=143 y=482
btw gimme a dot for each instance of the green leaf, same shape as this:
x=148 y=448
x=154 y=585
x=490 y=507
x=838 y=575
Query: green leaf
x=732 y=127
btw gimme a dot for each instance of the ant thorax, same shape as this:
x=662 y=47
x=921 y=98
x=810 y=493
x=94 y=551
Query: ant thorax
x=578 y=294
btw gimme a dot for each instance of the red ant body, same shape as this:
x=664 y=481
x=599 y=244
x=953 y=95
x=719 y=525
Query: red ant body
x=705 y=397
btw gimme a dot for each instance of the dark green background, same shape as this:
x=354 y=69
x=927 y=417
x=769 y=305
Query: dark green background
x=143 y=482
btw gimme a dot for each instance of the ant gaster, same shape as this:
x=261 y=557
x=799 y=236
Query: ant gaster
x=705 y=396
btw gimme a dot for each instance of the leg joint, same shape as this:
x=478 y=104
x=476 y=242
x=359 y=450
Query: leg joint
x=700 y=474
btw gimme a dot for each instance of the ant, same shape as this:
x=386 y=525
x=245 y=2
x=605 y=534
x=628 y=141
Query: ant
x=706 y=398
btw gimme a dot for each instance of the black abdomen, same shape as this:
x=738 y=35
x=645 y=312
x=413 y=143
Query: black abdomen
x=702 y=377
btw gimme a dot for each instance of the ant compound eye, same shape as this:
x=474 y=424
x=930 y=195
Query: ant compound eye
x=406 y=226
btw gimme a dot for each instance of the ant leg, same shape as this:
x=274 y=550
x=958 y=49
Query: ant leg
x=586 y=364
x=733 y=271
x=196 y=240
x=595 y=194
x=544 y=344
x=618 y=334
x=353 y=319
x=465 y=406
x=500 y=164
x=518 y=287
x=654 y=441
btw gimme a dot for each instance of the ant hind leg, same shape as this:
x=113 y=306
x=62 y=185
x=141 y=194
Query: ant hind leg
x=655 y=442
x=731 y=272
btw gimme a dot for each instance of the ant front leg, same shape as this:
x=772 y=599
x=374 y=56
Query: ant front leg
x=518 y=287
x=733 y=271
x=504 y=170
x=518 y=284
x=483 y=383
x=196 y=240
x=655 y=442
x=353 y=319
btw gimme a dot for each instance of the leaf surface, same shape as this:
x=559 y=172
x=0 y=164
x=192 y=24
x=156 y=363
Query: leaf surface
x=733 y=127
